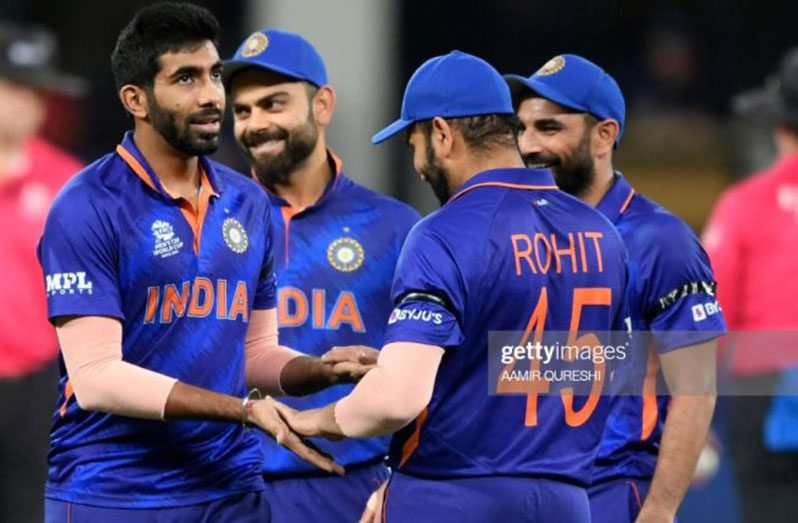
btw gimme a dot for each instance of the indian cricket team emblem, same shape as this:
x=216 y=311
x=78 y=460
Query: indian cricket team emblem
x=234 y=235
x=552 y=66
x=167 y=243
x=346 y=254
x=255 y=45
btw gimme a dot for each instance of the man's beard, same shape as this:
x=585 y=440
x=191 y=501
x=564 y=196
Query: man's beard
x=274 y=170
x=574 y=174
x=181 y=137
x=435 y=174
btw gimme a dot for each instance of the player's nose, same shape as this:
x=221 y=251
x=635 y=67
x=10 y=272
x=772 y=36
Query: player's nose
x=528 y=143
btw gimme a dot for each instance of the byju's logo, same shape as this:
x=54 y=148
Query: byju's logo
x=68 y=283
x=703 y=310
x=415 y=314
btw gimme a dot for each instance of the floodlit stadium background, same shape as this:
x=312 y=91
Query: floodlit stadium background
x=677 y=62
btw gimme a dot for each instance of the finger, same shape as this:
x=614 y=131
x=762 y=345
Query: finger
x=312 y=454
x=380 y=503
x=371 y=509
x=346 y=353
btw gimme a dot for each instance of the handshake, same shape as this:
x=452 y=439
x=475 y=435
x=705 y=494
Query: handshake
x=290 y=427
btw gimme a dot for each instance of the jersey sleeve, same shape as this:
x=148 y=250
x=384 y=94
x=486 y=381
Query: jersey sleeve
x=428 y=293
x=724 y=245
x=78 y=253
x=679 y=297
x=266 y=292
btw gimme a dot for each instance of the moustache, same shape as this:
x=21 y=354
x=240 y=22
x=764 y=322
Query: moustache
x=259 y=137
x=538 y=160
x=206 y=116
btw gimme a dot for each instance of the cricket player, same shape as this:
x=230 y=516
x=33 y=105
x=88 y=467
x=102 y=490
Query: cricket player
x=572 y=117
x=159 y=271
x=335 y=243
x=502 y=254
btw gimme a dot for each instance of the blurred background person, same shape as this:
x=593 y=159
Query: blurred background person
x=751 y=241
x=31 y=172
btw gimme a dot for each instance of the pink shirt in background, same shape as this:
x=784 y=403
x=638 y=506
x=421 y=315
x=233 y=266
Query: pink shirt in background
x=27 y=340
x=752 y=241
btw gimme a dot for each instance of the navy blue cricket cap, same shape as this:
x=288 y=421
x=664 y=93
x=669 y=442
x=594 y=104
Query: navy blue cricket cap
x=576 y=83
x=455 y=85
x=280 y=51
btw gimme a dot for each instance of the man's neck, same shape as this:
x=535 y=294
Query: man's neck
x=308 y=181
x=602 y=183
x=499 y=159
x=177 y=172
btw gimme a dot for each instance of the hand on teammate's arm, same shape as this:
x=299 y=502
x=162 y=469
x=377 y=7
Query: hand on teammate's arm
x=279 y=370
x=386 y=399
x=691 y=378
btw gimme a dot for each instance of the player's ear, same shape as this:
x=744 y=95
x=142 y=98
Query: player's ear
x=324 y=105
x=134 y=100
x=442 y=135
x=604 y=134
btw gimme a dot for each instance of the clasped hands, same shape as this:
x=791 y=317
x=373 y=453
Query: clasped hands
x=289 y=427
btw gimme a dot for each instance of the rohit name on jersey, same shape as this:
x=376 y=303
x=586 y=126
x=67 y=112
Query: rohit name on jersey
x=541 y=253
x=197 y=299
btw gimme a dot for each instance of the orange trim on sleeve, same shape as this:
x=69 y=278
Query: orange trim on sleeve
x=627 y=202
x=650 y=412
x=135 y=166
x=68 y=393
x=507 y=185
x=412 y=442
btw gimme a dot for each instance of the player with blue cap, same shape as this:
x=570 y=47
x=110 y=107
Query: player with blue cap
x=572 y=117
x=336 y=246
x=500 y=255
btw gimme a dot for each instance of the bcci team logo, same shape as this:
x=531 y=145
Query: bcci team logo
x=345 y=254
x=166 y=242
x=552 y=66
x=234 y=235
x=255 y=45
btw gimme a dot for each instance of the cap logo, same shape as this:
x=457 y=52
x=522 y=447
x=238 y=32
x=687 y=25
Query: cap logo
x=255 y=45
x=552 y=66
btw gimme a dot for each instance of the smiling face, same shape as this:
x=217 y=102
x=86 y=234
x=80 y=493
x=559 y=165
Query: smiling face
x=275 y=123
x=555 y=137
x=186 y=100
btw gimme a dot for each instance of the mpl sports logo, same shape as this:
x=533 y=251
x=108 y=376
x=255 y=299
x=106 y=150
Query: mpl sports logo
x=63 y=283
x=415 y=314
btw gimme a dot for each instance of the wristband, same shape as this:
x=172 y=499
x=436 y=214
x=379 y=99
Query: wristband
x=246 y=406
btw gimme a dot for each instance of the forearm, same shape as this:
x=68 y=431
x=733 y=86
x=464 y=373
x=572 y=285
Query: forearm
x=189 y=402
x=279 y=370
x=305 y=375
x=683 y=437
x=390 y=396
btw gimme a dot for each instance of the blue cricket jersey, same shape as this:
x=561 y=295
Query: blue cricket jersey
x=183 y=284
x=508 y=252
x=672 y=296
x=335 y=262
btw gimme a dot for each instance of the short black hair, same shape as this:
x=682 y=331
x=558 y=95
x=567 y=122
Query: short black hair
x=483 y=133
x=155 y=30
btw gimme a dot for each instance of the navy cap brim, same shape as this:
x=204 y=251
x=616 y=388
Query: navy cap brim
x=518 y=83
x=397 y=127
x=231 y=67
